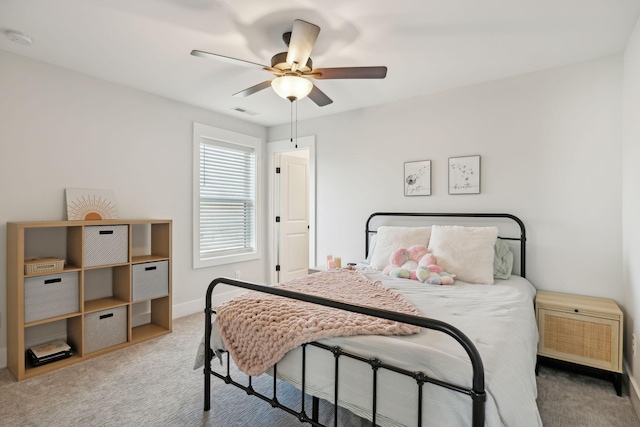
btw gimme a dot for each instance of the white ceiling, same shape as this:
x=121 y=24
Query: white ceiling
x=427 y=45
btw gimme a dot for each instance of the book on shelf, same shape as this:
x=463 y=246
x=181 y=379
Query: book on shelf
x=49 y=352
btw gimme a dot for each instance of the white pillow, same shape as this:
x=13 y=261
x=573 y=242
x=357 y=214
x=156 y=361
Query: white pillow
x=390 y=238
x=466 y=252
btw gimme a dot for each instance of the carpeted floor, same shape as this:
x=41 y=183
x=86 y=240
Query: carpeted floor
x=153 y=384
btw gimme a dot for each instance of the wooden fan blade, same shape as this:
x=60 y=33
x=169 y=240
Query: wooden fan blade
x=349 y=73
x=253 y=89
x=230 y=60
x=319 y=97
x=303 y=37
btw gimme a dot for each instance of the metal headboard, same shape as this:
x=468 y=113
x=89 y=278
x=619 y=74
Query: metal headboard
x=522 y=239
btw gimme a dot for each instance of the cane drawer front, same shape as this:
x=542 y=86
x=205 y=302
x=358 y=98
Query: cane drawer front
x=580 y=331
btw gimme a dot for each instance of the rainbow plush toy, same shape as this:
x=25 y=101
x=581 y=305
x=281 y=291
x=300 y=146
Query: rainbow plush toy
x=417 y=263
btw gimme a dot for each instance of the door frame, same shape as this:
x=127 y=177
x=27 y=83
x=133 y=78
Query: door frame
x=284 y=146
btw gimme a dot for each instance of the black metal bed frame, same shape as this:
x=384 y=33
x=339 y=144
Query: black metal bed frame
x=476 y=393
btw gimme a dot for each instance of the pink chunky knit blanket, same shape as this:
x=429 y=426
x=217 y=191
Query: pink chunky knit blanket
x=258 y=329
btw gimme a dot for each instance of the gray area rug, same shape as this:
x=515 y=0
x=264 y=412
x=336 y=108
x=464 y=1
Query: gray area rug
x=154 y=384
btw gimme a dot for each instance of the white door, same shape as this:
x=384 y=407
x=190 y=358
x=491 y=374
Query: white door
x=294 y=217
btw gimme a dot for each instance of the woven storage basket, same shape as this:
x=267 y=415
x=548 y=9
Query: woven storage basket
x=43 y=265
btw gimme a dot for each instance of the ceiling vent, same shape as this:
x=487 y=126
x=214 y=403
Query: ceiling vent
x=19 y=38
x=244 y=111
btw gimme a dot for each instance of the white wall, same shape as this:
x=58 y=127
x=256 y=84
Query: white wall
x=550 y=147
x=61 y=129
x=631 y=206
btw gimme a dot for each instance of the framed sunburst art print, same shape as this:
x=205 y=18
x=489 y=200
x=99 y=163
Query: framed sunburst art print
x=90 y=204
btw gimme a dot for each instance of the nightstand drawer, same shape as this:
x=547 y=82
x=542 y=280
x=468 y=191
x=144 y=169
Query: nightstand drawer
x=577 y=338
x=581 y=330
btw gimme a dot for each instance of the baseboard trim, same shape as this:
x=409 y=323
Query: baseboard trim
x=634 y=391
x=187 y=308
x=3 y=357
x=195 y=306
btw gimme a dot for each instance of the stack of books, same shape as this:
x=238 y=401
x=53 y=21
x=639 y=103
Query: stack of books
x=49 y=352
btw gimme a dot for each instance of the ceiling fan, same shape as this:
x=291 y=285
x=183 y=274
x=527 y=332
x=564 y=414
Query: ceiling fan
x=294 y=68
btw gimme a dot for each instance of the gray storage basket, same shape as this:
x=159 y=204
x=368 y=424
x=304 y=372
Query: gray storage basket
x=105 y=328
x=51 y=295
x=106 y=245
x=150 y=280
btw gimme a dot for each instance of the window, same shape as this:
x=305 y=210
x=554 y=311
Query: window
x=225 y=196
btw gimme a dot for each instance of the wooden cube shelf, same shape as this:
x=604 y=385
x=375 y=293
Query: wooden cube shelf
x=101 y=283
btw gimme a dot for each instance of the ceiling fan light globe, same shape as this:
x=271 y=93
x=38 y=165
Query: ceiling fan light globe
x=289 y=87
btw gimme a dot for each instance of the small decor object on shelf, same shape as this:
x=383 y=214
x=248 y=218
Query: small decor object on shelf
x=464 y=175
x=333 y=262
x=49 y=352
x=417 y=178
x=43 y=265
x=90 y=204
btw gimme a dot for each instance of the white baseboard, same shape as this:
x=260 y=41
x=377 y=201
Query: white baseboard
x=187 y=308
x=195 y=306
x=634 y=391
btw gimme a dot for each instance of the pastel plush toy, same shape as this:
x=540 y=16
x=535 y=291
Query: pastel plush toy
x=399 y=257
x=417 y=263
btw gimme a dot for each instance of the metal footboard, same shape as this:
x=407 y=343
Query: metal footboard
x=476 y=393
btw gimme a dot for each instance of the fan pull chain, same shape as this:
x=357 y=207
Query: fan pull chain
x=291 y=123
x=296 y=124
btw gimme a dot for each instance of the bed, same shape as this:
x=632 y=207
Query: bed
x=472 y=361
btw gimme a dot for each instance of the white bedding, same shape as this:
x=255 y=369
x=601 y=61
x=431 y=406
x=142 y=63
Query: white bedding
x=498 y=318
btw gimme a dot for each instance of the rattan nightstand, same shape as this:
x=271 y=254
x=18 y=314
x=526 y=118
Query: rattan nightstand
x=582 y=330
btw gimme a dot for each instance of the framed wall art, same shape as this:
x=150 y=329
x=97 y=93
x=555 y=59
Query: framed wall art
x=417 y=178
x=90 y=204
x=464 y=175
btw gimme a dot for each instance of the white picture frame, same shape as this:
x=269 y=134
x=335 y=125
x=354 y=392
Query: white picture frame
x=417 y=178
x=464 y=175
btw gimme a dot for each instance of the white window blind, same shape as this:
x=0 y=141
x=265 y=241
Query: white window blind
x=225 y=197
